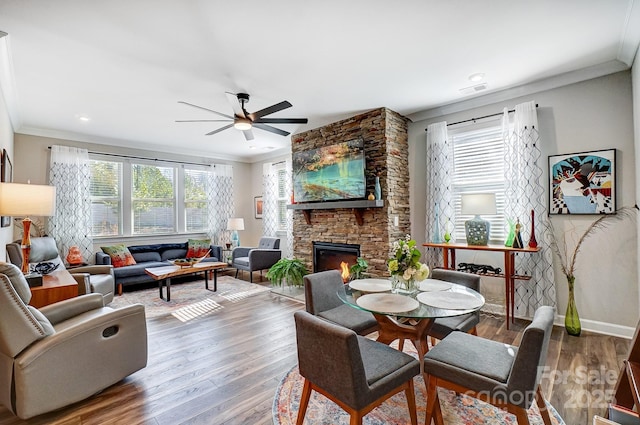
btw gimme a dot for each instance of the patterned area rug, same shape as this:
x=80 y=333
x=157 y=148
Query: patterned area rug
x=457 y=410
x=190 y=300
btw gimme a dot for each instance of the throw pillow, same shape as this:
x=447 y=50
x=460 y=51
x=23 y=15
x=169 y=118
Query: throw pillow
x=120 y=255
x=198 y=247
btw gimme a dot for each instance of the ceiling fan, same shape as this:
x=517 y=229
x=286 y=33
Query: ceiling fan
x=245 y=121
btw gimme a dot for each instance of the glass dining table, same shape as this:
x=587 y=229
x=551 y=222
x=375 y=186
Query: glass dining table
x=410 y=316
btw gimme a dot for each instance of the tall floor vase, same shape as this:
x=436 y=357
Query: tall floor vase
x=571 y=318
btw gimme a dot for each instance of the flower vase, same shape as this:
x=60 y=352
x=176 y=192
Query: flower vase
x=512 y=233
x=378 y=189
x=404 y=287
x=532 y=240
x=571 y=318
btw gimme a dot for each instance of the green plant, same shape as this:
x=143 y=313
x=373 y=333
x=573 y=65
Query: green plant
x=358 y=268
x=290 y=269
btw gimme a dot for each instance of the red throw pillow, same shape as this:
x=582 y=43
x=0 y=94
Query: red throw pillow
x=198 y=248
x=120 y=255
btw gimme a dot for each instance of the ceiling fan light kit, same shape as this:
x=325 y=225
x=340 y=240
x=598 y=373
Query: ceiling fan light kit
x=245 y=121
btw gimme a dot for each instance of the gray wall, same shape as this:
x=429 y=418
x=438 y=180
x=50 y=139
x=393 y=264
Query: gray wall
x=590 y=115
x=6 y=142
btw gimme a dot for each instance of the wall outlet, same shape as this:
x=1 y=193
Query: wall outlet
x=396 y=220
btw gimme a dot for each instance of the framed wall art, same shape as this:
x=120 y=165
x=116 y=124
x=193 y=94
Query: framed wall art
x=257 y=203
x=6 y=176
x=583 y=183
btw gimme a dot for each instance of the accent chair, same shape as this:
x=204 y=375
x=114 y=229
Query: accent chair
x=262 y=257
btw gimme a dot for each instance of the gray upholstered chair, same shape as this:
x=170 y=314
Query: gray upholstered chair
x=498 y=373
x=355 y=372
x=467 y=322
x=262 y=257
x=91 y=279
x=64 y=352
x=321 y=299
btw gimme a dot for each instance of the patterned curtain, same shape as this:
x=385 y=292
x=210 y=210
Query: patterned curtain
x=220 y=202
x=440 y=208
x=524 y=192
x=70 y=173
x=275 y=187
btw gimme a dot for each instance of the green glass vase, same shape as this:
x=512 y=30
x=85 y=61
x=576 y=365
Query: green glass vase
x=571 y=318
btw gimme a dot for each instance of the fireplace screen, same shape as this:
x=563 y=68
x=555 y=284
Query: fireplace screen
x=334 y=256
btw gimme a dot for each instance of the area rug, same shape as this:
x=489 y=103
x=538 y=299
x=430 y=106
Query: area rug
x=456 y=409
x=190 y=300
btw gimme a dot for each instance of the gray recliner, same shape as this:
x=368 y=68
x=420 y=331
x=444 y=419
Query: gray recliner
x=91 y=279
x=262 y=257
x=64 y=352
x=321 y=299
x=355 y=372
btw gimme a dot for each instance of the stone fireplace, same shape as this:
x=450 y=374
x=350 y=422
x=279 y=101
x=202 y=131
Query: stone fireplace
x=373 y=227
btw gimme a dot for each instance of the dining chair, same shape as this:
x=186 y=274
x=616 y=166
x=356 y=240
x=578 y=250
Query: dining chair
x=507 y=377
x=321 y=299
x=356 y=373
x=443 y=326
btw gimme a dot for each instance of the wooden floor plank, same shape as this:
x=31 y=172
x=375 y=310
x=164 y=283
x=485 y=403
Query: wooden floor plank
x=224 y=368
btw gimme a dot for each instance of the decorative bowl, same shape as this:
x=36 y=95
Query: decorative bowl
x=185 y=262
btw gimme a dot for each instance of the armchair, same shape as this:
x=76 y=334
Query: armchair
x=98 y=278
x=265 y=255
x=64 y=352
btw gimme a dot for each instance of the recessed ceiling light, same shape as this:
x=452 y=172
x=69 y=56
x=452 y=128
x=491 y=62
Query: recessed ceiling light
x=252 y=147
x=476 y=77
x=83 y=117
x=270 y=147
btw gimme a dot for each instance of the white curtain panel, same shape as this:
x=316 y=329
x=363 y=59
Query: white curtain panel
x=439 y=192
x=272 y=202
x=70 y=173
x=220 y=202
x=287 y=249
x=524 y=190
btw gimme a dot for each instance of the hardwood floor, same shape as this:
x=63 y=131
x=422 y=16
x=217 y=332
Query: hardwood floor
x=224 y=369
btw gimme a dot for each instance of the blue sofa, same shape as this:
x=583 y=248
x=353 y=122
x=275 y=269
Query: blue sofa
x=155 y=255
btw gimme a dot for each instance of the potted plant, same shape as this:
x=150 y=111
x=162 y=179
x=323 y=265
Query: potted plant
x=358 y=269
x=291 y=270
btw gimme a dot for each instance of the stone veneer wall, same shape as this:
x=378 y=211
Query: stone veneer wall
x=384 y=133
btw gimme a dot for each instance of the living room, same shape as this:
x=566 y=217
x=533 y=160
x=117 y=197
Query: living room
x=590 y=109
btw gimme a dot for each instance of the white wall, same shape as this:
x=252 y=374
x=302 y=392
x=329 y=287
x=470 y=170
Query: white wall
x=590 y=115
x=31 y=162
x=257 y=188
x=6 y=142
x=635 y=83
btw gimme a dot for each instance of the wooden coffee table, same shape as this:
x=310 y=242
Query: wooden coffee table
x=164 y=274
x=56 y=286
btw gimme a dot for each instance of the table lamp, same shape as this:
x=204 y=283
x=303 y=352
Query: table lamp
x=24 y=200
x=235 y=224
x=477 y=229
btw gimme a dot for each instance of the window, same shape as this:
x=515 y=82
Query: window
x=195 y=200
x=106 y=198
x=479 y=168
x=282 y=199
x=153 y=199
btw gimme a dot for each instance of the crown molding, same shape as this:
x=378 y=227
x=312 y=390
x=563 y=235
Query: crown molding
x=630 y=37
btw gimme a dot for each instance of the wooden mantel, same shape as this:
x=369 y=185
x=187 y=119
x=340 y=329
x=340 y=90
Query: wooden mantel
x=358 y=207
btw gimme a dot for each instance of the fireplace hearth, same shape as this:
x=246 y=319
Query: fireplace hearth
x=334 y=256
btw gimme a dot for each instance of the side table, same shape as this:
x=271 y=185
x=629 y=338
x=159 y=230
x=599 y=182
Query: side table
x=56 y=286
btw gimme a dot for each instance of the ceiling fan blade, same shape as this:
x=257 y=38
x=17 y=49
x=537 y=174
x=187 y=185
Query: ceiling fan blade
x=270 y=110
x=202 y=120
x=271 y=129
x=235 y=104
x=248 y=134
x=282 y=121
x=219 y=130
x=205 y=109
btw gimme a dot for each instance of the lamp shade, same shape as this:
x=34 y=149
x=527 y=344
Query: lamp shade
x=235 y=224
x=22 y=200
x=479 y=203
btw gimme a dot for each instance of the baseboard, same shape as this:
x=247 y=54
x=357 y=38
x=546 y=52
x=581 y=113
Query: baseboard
x=601 y=327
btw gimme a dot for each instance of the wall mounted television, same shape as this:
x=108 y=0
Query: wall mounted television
x=330 y=173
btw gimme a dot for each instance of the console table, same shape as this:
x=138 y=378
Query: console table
x=510 y=276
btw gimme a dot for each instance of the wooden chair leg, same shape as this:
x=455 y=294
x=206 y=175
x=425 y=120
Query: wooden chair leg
x=237 y=270
x=473 y=331
x=356 y=418
x=119 y=288
x=304 y=402
x=521 y=415
x=542 y=406
x=400 y=344
x=432 y=397
x=411 y=402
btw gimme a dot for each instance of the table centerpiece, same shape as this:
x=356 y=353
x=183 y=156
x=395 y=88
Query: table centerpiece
x=405 y=268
